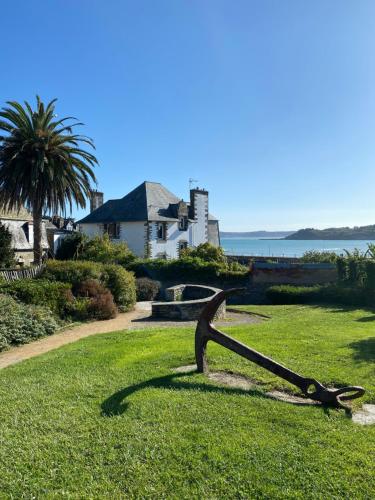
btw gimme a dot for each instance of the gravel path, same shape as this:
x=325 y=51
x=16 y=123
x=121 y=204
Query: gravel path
x=138 y=319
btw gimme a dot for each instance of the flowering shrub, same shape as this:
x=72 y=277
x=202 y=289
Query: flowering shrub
x=21 y=323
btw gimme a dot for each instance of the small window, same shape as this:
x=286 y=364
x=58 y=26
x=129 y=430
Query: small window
x=182 y=245
x=183 y=223
x=113 y=230
x=162 y=231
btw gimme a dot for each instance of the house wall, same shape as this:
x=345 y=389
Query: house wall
x=141 y=237
x=92 y=230
x=134 y=234
x=170 y=247
x=213 y=233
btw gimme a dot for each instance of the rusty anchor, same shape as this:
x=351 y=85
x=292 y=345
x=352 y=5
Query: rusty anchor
x=310 y=387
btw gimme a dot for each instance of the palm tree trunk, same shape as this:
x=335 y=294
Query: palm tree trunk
x=37 y=222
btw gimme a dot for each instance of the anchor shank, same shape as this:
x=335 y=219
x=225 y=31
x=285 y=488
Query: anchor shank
x=259 y=359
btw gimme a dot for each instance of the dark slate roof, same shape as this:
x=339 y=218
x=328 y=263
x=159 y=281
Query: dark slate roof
x=150 y=201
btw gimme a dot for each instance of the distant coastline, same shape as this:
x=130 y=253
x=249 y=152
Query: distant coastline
x=255 y=234
x=331 y=234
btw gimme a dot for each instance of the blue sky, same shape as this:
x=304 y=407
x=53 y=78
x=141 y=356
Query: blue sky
x=269 y=104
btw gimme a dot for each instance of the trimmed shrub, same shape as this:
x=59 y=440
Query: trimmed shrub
x=119 y=281
x=319 y=294
x=102 y=306
x=21 y=323
x=147 y=289
x=187 y=269
x=90 y=288
x=71 y=271
x=121 y=284
x=53 y=294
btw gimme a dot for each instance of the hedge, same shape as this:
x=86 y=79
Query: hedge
x=71 y=271
x=329 y=294
x=186 y=269
x=52 y=294
x=119 y=281
x=21 y=323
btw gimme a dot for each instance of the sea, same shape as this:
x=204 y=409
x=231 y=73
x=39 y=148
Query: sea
x=276 y=247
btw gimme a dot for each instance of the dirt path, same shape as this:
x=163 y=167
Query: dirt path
x=138 y=319
x=67 y=336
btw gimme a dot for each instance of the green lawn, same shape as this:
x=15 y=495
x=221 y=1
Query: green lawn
x=106 y=417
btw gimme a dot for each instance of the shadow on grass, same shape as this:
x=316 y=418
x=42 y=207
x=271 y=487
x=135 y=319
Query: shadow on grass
x=117 y=405
x=364 y=350
x=366 y=319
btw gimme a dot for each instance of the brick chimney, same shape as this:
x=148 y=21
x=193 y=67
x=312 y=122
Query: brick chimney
x=96 y=200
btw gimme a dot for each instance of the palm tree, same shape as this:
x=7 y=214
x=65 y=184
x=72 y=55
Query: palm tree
x=42 y=164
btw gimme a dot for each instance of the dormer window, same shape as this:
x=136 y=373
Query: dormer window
x=183 y=223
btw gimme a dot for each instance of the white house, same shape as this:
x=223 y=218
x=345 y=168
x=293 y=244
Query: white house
x=152 y=221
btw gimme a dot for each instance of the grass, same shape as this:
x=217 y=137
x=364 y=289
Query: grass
x=106 y=417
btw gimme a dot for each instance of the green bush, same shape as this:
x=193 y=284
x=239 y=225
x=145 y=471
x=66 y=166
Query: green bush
x=100 y=304
x=6 y=249
x=21 y=323
x=319 y=256
x=147 y=289
x=319 y=294
x=71 y=246
x=71 y=271
x=121 y=283
x=98 y=249
x=78 y=310
x=52 y=294
x=187 y=269
x=103 y=249
x=206 y=252
x=118 y=280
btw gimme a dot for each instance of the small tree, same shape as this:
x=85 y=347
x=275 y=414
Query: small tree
x=206 y=252
x=42 y=164
x=6 y=250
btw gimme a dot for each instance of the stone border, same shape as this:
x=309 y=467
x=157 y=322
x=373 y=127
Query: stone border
x=186 y=310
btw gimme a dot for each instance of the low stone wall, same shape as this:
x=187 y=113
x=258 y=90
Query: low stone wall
x=186 y=302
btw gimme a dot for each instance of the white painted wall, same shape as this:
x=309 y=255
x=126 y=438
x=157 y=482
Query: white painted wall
x=91 y=230
x=134 y=234
x=174 y=236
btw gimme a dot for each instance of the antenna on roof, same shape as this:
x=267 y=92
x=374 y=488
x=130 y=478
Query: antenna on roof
x=191 y=181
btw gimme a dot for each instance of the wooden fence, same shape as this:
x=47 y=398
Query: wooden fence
x=18 y=274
